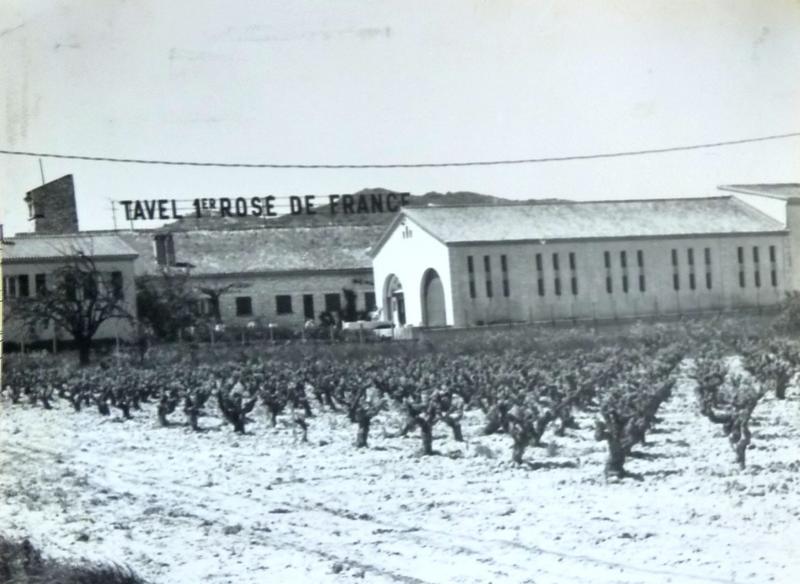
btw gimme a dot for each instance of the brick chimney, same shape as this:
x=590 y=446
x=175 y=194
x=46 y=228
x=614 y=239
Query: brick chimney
x=52 y=207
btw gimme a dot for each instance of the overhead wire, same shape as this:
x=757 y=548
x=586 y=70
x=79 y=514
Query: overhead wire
x=273 y=165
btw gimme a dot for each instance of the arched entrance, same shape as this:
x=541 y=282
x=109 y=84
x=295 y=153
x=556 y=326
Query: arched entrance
x=433 y=311
x=393 y=301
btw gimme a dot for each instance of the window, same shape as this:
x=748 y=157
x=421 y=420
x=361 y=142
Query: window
x=609 y=285
x=504 y=269
x=692 y=282
x=308 y=306
x=117 y=288
x=773 y=270
x=607 y=259
x=756 y=270
x=623 y=259
x=40 y=284
x=487 y=268
x=557 y=278
x=283 y=304
x=740 y=257
x=707 y=254
x=244 y=306
x=369 y=301
x=90 y=286
x=640 y=264
x=623 y=263
x=676 y=278
x=708 y=280
x=471 y=271
x=690 y=256
x=24 y=286
x=573 y=276
x=625 y=283
x=165 y=249
x=607 y=263
x=540 y=274
x=204 y=307
x=333 y=302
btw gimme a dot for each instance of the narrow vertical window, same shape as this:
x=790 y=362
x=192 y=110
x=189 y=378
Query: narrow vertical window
x=756 y=268
x=573 y=274
x=676 y=278
x=117 y=287
x=504 y=269
x=471 y=272
x=773 y=268
x=609 y=281
x=557 y=275
x=540 y=274
x=740 y=257
x=609 y=285
x=487 y=268
x=640 y=263
x=707 y=255
x=692 y=282
x=607 y=259
x=623 y=263
x=24 y=288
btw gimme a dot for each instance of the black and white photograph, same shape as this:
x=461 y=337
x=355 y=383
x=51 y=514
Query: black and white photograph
x=420 y=292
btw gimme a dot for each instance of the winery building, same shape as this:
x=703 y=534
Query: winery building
x=467 y=266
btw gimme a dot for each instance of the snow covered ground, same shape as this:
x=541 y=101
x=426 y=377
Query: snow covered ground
x=215 y=507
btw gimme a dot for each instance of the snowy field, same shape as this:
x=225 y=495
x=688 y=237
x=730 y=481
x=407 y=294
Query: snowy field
x=183 y=507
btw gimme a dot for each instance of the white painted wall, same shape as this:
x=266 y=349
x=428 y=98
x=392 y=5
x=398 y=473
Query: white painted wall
x=407 y=253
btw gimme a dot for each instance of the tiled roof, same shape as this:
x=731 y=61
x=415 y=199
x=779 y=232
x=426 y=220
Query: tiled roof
x=777 y=190
x=46 y=247
x=263 y=249
x=595 y=219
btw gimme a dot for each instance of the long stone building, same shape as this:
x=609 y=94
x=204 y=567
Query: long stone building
x=467 y=266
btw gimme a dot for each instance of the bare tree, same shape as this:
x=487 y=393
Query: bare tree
x=80 y=298
x=214 y=294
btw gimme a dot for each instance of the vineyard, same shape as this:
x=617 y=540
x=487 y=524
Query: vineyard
x=666 y=454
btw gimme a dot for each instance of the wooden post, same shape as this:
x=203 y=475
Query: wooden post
x=361 y=333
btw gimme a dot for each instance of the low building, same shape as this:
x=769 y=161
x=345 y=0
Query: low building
x=30 y=262
x=279 y=275
x=465 y=266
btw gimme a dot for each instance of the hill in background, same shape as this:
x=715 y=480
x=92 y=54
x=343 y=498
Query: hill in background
x=324 y=217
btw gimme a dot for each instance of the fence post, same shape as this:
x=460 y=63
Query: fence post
x=361 y=333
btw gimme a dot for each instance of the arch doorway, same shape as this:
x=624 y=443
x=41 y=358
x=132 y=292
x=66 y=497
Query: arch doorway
x=433 y=311
x=394 y=301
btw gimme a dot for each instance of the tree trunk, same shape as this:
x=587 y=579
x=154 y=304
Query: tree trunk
x=616 y=459
x=455 y=426
x=426 y=432
x=84 y=351
x=780 y=389
x=363 y=432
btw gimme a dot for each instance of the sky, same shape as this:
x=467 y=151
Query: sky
x=347 y=81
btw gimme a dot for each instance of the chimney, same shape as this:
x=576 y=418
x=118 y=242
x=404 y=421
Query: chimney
x=52 y=207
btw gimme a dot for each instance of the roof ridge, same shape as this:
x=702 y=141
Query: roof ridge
x=565 y=202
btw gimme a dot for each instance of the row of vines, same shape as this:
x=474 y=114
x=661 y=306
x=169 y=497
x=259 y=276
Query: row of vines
x=521 y=393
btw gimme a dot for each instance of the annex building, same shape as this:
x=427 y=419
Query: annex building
x=474 y=265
